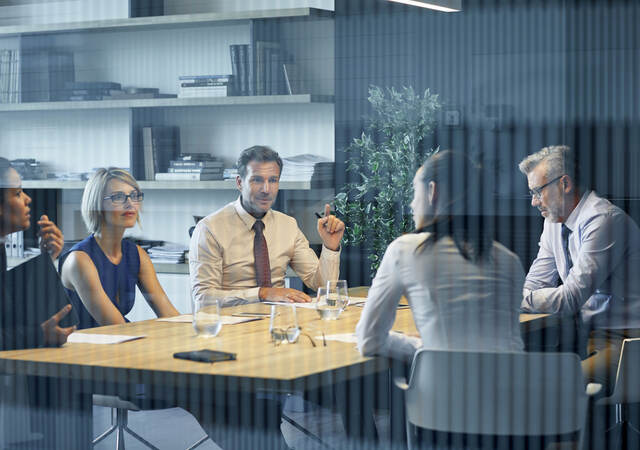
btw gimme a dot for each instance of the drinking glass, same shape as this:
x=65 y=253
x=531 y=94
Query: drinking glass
x=283 y=326
x=337 y=290
x=330 y=304
x=206 y=316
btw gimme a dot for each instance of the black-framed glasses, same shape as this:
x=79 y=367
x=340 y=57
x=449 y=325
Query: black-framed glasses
x=536 y=192
x=120 y=198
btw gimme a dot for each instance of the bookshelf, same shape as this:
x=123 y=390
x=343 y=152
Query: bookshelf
x=77 y=136
x=222 y=185
x=163 y=22
x=255 y=100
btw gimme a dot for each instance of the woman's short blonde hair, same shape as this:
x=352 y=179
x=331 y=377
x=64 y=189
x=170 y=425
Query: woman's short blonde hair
x=93 y=196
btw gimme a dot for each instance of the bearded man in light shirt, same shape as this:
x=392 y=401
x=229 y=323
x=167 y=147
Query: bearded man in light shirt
x=593 y=248
x=241 y=252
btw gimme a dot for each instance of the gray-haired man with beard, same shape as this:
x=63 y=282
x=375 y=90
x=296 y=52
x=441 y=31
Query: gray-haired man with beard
x=593 y=248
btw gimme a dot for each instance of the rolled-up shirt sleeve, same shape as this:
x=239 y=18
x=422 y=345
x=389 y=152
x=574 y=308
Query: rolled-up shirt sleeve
x=314 y=272
x=205 y=270
x=602 y=249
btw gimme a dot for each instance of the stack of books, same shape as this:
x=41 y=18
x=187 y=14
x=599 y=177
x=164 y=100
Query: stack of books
x=194 y=167
x=190 y=86
x=29 y=169
x=89 y=90
x=108 y=90
x=136 y=92
x=230 y=173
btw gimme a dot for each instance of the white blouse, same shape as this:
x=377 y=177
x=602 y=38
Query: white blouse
x=456 y=304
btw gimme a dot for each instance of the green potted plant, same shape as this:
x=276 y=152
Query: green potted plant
x=383 y=160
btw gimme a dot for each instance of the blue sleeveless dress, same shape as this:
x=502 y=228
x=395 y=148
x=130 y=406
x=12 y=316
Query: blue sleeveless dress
x=118 y=281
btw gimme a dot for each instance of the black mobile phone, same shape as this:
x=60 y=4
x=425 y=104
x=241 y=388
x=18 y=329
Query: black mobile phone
x=205 y=355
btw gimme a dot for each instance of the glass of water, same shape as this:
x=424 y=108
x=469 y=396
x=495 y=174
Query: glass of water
x=283 y=326
x=337 y=290
x=330 y=303
x=207 y=320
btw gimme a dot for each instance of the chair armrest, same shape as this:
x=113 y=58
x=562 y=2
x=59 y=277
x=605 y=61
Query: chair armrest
x=401 y=382
x=593 y=389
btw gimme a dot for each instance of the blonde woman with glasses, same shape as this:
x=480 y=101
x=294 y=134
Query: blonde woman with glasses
x=101 y=272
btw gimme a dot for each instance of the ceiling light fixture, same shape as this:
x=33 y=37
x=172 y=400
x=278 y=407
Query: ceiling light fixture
x=438 y=5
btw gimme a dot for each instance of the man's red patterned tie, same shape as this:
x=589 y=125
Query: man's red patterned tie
x=261 y=256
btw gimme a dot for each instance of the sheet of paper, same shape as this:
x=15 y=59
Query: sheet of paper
x=226 y=320
x=310 y=305
x=85 y=338
x=349 y=338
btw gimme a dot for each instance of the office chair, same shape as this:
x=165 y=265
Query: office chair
x=120 y=426
x=478 y=395
x=627 y=387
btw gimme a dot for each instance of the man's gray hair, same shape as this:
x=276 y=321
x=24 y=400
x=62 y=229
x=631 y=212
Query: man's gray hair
x=559 y=160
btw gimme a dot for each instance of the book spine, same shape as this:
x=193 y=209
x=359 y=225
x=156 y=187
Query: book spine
x=204 y=83
x=4 y=75
x=234 y=51
x=20 y=243
x=205 y=89
x=251 y=76
x=195 y=164
x=177 y=177
x=286 y=80
x=194 y=170
x=202 y=77
x=147 y=143
x=274 y=69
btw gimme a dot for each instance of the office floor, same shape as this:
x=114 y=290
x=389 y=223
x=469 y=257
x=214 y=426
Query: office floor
x=177 y=429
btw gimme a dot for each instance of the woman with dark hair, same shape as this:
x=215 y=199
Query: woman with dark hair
x=14 y=216
x=464 y=289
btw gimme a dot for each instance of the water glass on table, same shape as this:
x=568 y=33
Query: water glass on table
x=283 y=325
x=332 y=300
x=207 y=320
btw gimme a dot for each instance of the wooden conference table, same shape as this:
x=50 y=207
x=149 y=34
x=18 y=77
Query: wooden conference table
x=82 y=369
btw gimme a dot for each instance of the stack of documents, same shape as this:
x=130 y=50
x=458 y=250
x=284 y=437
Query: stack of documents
x=168 y=253
x=307 y=167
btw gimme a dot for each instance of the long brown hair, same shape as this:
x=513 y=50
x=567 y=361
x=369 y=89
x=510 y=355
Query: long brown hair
x=455 y=175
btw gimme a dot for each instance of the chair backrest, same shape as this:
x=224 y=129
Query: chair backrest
x=515 y=394
x=627 y=388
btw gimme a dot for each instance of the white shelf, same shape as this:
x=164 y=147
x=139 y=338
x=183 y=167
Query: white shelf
x=221 y=185
x=158 y=22
x=169 y=102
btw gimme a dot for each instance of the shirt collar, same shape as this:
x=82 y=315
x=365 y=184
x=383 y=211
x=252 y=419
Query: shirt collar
x=573 y=217
x=247 y=218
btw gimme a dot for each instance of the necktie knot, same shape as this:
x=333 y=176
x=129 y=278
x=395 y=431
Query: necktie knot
x=258 y=226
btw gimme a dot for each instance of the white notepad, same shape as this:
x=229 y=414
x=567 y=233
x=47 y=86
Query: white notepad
x=85 y=338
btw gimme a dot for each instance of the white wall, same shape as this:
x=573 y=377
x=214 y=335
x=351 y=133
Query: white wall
x=48 y=11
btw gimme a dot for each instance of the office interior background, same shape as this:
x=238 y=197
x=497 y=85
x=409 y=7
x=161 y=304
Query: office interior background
x=511 y=76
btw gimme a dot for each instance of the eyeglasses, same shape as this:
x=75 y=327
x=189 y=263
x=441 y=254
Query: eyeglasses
x=120 y=198
x=536 y=192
